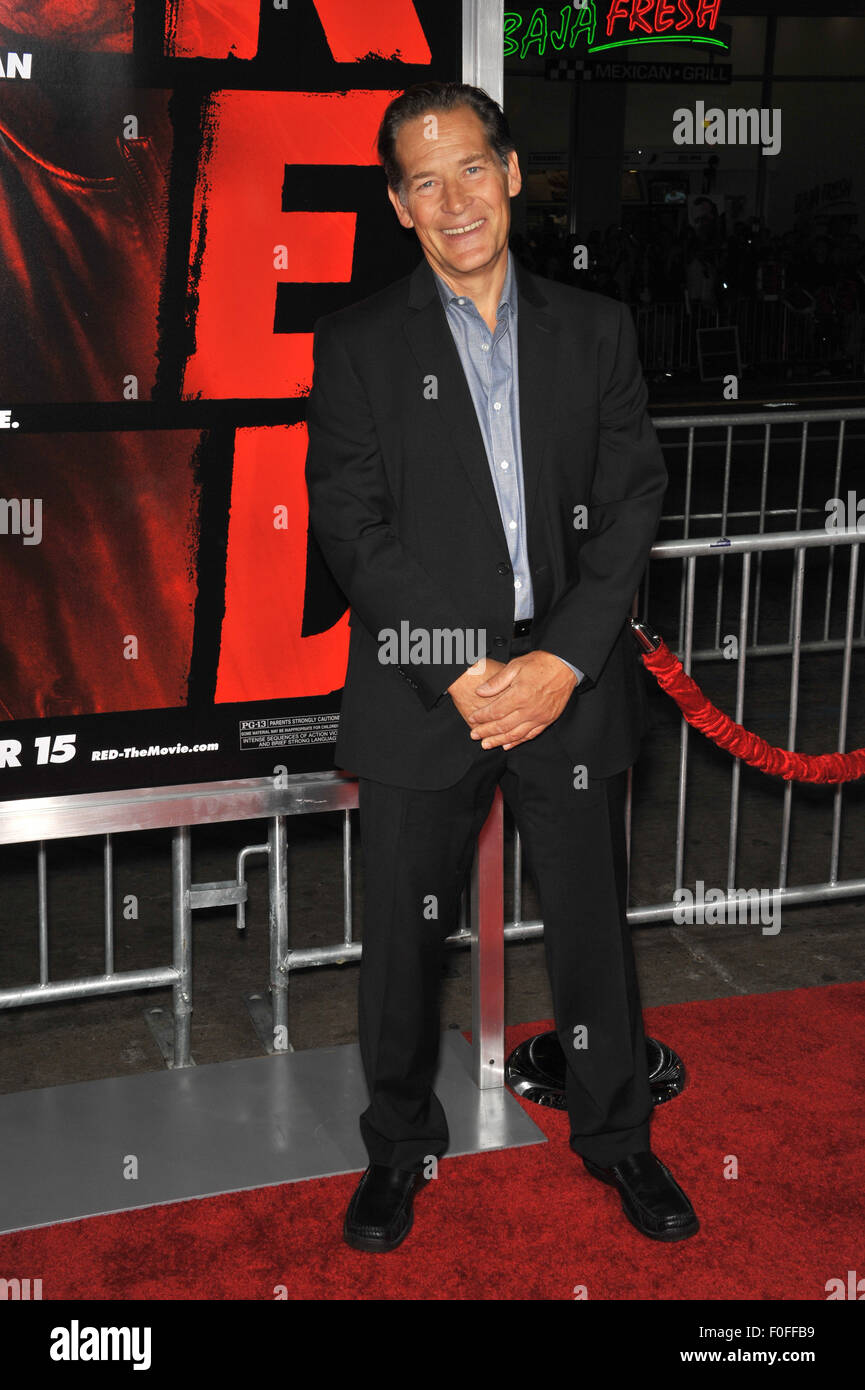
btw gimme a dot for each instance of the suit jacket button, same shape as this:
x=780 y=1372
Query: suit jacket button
x=503 y=568
x=499 y=641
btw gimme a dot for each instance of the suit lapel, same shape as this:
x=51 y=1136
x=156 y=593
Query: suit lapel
x=431 y=342
x=538 y=345
x=452 y=410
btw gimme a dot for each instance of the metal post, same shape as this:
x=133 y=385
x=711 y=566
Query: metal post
x=42 y=891
x=690 y=571
x=483 y=49
x=767 y=440
x=277 y=876
x=836 y=492
x=845 y=706
x=488 y=952
x=796 y=635
x=735 y=786
x=725 y=506
x=108 y=882
x=686 y=531
x=803 y=451
x=181 y=861
x=347 y=919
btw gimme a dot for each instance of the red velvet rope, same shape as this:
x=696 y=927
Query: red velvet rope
x=721 y=729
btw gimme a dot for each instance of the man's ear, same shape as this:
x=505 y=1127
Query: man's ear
x=515 y=178
x=399 y=208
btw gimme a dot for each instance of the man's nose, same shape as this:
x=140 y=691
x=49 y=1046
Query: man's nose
x=455 y=199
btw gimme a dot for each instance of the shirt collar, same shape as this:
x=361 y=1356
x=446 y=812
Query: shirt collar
x=508 y=295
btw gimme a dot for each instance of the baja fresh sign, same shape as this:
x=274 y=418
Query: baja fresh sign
x=614 y=24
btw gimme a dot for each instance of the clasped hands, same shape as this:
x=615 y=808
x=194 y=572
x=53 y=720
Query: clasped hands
x=505 y=705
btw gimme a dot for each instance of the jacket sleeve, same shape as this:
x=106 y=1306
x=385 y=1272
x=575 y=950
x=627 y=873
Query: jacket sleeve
x=624 y=508
x=353 y=515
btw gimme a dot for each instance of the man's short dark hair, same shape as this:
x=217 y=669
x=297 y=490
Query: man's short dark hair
x=427 y=97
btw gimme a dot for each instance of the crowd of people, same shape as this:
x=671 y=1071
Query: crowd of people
x=815 y=271
x=709 y=267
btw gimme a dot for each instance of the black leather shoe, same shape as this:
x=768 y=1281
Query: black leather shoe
x=652 y=1200
x=380 y=1215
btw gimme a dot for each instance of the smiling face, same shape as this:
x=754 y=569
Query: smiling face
x=457 y=194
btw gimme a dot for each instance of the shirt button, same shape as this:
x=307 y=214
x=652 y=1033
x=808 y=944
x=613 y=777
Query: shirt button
x=460 y=301
x=485 y=347
x=497 y=405
x=518 y=583
x=505 y=463
x=512 y=525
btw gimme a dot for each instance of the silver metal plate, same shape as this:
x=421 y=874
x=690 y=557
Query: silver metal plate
x=224 y=1127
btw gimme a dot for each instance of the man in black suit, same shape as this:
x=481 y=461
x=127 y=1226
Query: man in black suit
x=485 y=484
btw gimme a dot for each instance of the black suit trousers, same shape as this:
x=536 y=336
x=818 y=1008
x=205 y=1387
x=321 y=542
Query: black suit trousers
x=417 y=848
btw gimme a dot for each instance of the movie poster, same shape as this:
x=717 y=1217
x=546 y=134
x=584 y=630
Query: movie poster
x=184 y=188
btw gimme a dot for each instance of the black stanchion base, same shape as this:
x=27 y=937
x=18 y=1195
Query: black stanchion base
x=536 y=1071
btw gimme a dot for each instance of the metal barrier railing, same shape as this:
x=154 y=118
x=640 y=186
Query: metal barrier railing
x=109 y=813
x=696 y=447
x=46 y=819
x=798 y=544
x=770 y=332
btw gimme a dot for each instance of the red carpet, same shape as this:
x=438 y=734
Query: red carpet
x=774 y=1079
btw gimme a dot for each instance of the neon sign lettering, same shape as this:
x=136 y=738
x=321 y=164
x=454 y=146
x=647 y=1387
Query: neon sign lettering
x=627 y=22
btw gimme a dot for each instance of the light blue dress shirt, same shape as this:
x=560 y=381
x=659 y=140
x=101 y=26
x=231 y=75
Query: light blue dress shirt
x=491 y=366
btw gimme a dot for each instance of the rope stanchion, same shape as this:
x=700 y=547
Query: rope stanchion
x=701 y=714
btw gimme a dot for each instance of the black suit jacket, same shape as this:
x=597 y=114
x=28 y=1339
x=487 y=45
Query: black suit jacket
x=403 y=506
